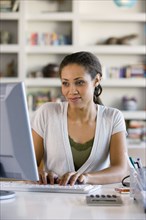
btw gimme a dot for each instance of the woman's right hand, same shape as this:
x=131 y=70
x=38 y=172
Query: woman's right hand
x=48 y=177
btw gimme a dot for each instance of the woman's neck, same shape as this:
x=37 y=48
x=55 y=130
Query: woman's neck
x=83 y=115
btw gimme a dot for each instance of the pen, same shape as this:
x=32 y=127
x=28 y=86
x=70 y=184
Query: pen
x=139 y=163
x=132 y=162
x=140 y=169
x=129 y=161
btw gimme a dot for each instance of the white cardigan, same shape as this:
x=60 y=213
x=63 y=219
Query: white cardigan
x=50 y=122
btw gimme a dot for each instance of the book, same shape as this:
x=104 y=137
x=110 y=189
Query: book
x=15 y=5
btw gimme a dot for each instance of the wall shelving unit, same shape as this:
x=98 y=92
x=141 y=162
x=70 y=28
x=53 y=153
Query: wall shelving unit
x=87 y=25
x=75 y=18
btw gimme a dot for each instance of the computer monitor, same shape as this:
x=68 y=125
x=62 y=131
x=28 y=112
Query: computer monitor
x=17 y=155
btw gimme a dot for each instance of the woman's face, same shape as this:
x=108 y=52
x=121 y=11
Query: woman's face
x=77 y=85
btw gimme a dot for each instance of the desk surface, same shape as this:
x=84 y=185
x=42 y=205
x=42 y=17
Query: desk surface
x=34 y=205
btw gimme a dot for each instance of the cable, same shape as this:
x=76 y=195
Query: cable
x=127 y=184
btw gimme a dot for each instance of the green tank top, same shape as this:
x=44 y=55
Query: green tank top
x=80 y=152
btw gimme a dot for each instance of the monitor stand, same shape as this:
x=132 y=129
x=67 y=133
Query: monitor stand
x=5 y=194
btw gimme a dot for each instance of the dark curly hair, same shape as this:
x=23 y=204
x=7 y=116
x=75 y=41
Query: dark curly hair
x=91 y=63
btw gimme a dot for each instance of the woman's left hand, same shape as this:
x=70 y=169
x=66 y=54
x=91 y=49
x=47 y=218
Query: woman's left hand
x=72 y=178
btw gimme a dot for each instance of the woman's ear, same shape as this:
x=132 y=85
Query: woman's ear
x=97 y=79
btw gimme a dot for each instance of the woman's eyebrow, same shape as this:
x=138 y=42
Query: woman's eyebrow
x=74 y=79
x=78 y=78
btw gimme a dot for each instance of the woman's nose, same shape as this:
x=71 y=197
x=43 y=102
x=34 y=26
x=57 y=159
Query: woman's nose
x=73 y=90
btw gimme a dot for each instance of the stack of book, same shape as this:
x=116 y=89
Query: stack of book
x=136 y=132
x=47 y=38
x=36 y=99
x=5 y=5
x=129 y=71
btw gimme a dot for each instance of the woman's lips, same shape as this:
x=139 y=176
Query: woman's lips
x=75 y=99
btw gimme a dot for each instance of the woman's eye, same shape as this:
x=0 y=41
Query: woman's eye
x=65 y=83
x=80 y=82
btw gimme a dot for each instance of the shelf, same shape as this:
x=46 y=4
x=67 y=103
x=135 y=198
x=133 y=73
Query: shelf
x=10 y=15
x=45 y=82
x=136 y=115
x=106 y=83
x=10 y=80
x=9 y=48
x=124 y=82
x=49 y=49
x=58 y=16
x=63 y=16
x=138 y=17
x=110 y=49
x=141 y=145
x=34 y=82
x=95 y=49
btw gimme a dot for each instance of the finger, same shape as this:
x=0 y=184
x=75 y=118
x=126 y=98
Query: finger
x=42 y=178
x=82 y=179
x=51 y=179
x=65 y=179
x=74 y=179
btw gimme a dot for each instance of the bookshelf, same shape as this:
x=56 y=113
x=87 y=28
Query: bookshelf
x=74 y=18
x=86 y=26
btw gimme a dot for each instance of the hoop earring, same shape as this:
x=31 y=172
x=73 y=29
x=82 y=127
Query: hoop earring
x=98 y=90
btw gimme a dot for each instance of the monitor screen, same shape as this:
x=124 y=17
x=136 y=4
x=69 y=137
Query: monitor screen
x=17 y=155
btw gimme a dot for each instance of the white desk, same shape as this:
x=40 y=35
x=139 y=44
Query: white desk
x=44 y=206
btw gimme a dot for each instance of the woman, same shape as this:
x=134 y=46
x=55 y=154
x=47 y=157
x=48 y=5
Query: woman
x=80 y=140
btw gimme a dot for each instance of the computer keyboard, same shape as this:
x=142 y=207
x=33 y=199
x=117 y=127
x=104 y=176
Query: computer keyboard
x=22 y=186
